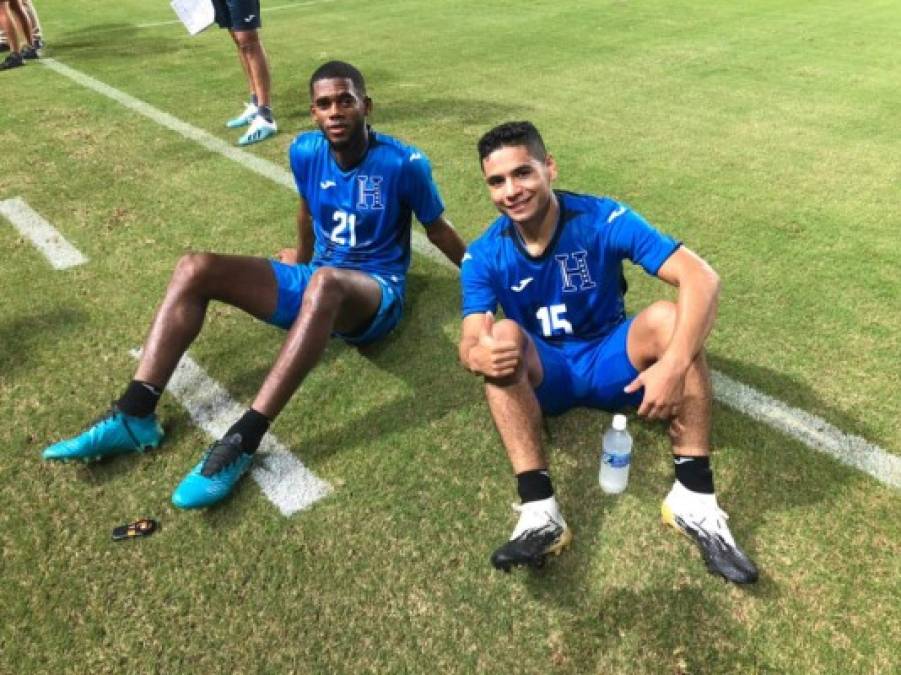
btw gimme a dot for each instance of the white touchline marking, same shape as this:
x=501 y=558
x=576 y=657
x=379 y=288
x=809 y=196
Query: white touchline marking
x=42 y=234
x=814 y=432
x=263 y=167
x=284 y=479
x=266 y=11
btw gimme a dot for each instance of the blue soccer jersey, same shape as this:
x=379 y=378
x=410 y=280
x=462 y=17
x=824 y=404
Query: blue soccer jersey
x=572 y=291
x=362 y=216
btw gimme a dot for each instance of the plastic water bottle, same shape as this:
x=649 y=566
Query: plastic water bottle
x=615 y=457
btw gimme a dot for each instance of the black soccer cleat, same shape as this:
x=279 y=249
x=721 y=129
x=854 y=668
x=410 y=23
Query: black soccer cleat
x=14 y=60
x=699 y=518
x=540 y=532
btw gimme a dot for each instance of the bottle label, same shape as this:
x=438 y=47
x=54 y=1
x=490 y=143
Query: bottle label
x=616 y=461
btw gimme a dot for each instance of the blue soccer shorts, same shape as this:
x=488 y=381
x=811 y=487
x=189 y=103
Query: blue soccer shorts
x=292 y=281
x=589 y=374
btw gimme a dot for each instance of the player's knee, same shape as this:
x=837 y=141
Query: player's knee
x=192 y=268
x=509 y=331
x=325 y=288
x=661 y=318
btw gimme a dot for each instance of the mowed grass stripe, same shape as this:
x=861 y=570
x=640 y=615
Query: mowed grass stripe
x=46 y=238
x=857 y=453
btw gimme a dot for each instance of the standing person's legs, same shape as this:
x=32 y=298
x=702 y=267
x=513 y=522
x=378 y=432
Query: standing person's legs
x=8 y=24
x=37 y=34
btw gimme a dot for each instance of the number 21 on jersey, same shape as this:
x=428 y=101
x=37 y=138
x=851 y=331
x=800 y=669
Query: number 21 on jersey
x=552 y=320
x=345 y=232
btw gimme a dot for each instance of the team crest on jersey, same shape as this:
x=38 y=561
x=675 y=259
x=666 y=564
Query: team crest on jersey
x=574 y=268
x=369 y=192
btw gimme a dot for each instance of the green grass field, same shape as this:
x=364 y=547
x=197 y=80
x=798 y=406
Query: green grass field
x=764 y=134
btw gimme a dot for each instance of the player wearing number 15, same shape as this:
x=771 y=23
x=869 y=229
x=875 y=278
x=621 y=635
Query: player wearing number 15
x=358 y=192
x=553 y=261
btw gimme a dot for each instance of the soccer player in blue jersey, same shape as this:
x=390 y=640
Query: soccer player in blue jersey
x=553 y=262
x=358 y=192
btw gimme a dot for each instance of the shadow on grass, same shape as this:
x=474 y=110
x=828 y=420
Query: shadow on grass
x=22 y=339
x=110 y=39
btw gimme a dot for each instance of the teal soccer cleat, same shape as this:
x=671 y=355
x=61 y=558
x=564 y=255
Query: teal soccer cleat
x=215 y=476
x=113 y=434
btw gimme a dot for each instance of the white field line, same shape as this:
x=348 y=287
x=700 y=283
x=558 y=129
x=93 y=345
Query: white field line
x=264 y=12
x=814 y=432
x=284 y=479
x=42 y=234
x=248 y=160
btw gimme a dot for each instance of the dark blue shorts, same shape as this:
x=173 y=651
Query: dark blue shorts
x=237 y=15
x=292 y=281
x=588 y=374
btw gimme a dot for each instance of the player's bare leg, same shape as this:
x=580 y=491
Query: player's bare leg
x=691 y=506
x=241 y=281
x=336 y=300
x=131 y=425
x=541 y=529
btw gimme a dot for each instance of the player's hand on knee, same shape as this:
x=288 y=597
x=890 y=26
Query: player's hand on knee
x=664 y=388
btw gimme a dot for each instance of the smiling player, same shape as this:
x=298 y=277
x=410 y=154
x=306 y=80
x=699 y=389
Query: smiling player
x=553 y=261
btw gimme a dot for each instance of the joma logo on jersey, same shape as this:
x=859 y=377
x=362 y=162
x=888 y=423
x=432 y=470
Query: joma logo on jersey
x=574 y=266
x=370 y=192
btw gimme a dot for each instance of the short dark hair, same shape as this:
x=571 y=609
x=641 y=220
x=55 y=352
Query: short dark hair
x=513 y=133
x=339 y=70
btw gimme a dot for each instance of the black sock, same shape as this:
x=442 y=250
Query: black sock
x=694 y=473
x=266 y=112
x=252 y=426
x=534 y=485
x=253 y=99
x=139 y=399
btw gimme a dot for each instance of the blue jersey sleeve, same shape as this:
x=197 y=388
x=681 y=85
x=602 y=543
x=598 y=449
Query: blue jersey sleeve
x=631 y=237
x=475 y=282
x=420 y=192
x=297 y=158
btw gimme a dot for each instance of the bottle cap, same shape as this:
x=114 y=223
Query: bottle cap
x=619 y=422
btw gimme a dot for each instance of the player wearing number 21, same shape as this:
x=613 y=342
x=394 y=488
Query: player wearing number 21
x=553 y=261
x=358 y=192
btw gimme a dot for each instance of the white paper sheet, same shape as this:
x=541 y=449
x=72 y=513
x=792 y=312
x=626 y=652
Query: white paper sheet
x=196 y=15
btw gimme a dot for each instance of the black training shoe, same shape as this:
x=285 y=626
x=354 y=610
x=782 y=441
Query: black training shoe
x=699 y=517
x=14 y=60
x=540 y=532
x=30 y=53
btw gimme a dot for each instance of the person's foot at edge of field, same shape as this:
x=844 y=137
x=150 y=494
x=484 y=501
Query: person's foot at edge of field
x=260 y=129
x=14 y=60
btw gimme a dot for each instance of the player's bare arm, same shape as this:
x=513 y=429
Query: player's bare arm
x=664 y=381
x=304 y=251
x=444 y=236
